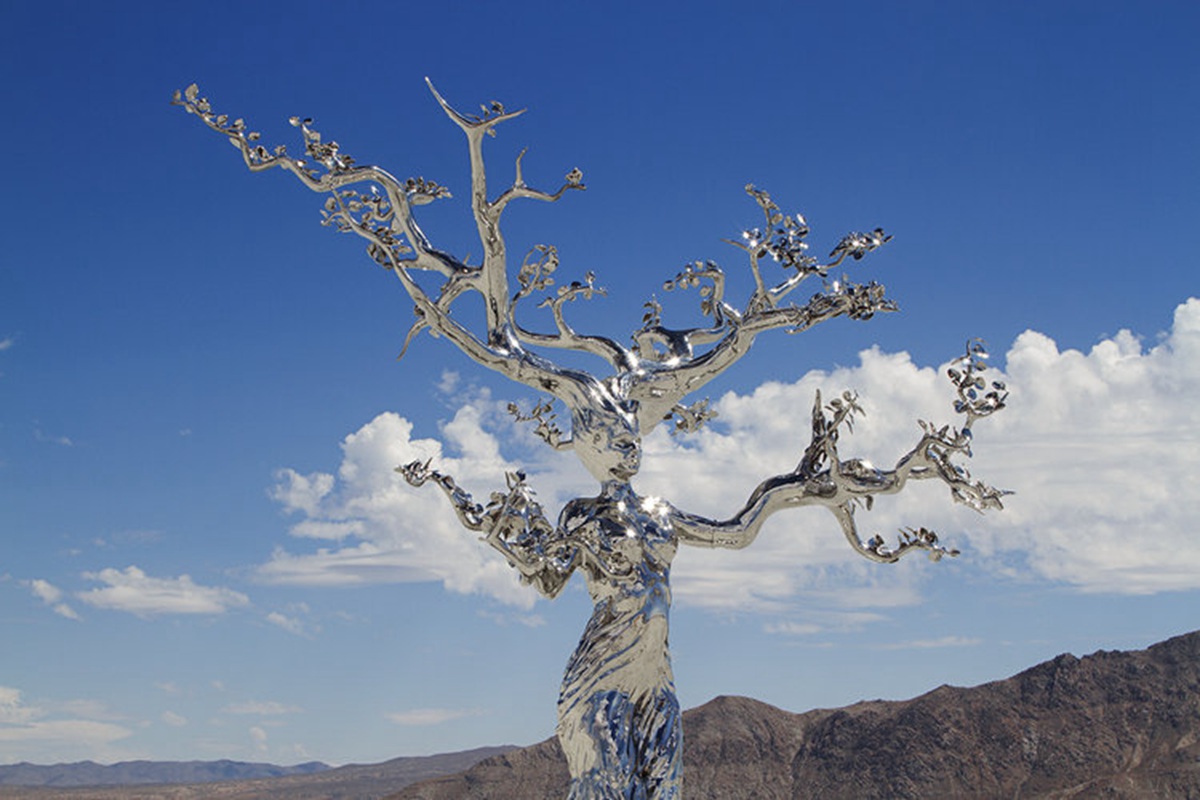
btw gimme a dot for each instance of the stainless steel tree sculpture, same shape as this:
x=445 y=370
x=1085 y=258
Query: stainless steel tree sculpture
x=618 y=716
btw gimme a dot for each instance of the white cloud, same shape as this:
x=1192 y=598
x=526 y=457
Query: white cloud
x=133 y=591
x=930 y=644
x=65 y=731
x=793 y=628
x=26 y=732
x=41 y=436
x=504 y=619
x=173 y=719
x=385 y=530
x=421 y=717
x=289 y=624
x=6 y=343
x=1102 y=450
x=302 y=492
x=260 y=739
x=13 y=711
x=88 y=709
x=45 y=591
x=52 y=596
x=260 y=708
x=449 y=383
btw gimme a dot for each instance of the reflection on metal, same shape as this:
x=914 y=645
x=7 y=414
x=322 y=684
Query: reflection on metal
x=619 y=720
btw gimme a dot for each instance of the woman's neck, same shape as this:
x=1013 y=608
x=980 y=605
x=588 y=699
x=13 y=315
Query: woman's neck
x=616 y=489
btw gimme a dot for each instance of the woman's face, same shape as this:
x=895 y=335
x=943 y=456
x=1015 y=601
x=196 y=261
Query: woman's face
x=609 y=451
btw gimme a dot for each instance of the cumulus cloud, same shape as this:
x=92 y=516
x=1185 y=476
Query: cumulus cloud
x=52 y=596
x=1100 y=447
x=385 y=531
x=134 y=591
x=1103 y=449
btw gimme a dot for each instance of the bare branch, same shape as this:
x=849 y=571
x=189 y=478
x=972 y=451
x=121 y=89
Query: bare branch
x=691 y=418
x=385 y=221
x=513 y=523
x=535 y=275
x=856 y=245
x=823 y=478
x=382 y=214
x=678 y=369
x=975 y=398
x=547 y=430
x=494 y=284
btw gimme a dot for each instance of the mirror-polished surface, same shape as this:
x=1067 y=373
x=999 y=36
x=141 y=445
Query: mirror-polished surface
x=618 y=715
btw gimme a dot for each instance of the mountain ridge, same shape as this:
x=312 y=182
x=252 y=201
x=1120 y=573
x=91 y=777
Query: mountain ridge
x=141 y=771
x=347 y=782
x=1111 y=724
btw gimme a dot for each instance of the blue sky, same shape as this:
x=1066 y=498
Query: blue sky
x=203 y=552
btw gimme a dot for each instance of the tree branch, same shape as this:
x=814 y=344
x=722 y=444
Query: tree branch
x=676 y=369
x=396 y=242
x=822 y=478
x=546 y=430
x=487 y=214
x=513 y=523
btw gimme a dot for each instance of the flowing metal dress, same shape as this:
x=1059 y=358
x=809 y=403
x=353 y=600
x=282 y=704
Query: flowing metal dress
x=618 y=715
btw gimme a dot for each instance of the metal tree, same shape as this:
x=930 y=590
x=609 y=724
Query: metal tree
x=619 y=719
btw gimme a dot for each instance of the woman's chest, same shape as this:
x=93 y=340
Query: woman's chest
x=625 y=541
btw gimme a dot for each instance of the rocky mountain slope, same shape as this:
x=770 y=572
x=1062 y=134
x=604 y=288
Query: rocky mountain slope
x=1111 y=725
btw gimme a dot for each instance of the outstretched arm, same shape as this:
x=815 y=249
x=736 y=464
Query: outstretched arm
x=513 y=523
x=823 y=479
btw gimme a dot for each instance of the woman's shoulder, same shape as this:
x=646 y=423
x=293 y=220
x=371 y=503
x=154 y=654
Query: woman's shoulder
x=576 y=512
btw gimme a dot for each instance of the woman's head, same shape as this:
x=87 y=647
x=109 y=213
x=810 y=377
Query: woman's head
x=607 y=441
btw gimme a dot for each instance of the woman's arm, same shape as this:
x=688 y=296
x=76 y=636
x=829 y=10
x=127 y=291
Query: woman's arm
x=841 y=488
x=513 y=523
x=823 y=479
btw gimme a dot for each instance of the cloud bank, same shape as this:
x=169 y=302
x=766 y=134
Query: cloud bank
x=1101 y=449
x=134 y=591
x=26 y=729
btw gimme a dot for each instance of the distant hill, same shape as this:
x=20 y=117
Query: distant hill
x=1111 y=725
x=1120 y=725
x=89 y=773
x=351 y=782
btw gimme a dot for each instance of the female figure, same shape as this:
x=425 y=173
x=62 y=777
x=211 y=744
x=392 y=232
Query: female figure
x=618 y=714
x=618 y=717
